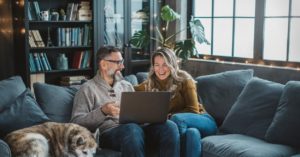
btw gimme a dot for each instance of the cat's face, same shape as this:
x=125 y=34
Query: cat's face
x=82 y=144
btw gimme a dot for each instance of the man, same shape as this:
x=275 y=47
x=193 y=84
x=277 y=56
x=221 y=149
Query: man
x=96 y=105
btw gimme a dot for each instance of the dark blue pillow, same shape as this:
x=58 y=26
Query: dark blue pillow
x=24 y=112
x=10 y=89
x=55 y=101
x=254 y=109
x=285 y=127
x=218 y=92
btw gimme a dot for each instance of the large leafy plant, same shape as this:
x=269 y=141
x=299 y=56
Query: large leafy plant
x=183 y=48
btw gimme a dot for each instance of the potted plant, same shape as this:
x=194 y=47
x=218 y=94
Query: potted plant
x=183 y=48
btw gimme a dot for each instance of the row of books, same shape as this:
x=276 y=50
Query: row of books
x=75 y=36
x=73 y=80
x=74 y=11
x=35 y=39
x=79 y=12
x=39 y=62
x=34 y=11
x=81 y=60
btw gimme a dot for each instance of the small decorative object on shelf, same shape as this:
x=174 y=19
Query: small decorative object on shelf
x=49 y=42
x=62 y=62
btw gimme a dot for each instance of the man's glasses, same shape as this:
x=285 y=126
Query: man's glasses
x=118 y=62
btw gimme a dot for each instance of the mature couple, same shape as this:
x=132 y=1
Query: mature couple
x=96 y=105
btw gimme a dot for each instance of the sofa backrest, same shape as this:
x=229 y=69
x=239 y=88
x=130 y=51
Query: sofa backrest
x=218 y=92
x=10 y=89
x=55 y=101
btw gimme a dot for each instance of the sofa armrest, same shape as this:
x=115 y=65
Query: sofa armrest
x=4 y=149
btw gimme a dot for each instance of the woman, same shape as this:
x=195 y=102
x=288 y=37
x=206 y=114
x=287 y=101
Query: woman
x=192 y=120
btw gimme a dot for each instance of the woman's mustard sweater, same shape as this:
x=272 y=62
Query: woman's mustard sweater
x=184 y=97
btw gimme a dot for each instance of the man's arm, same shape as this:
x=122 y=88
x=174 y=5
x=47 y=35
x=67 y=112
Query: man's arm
x=84 y=113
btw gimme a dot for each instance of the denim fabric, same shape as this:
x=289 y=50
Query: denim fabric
x=133 y=140
x=191 y=128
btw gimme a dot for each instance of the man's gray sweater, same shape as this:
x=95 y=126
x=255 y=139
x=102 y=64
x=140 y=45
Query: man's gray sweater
x=91 y=96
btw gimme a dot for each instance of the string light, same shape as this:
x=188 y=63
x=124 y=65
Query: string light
x=22 y=31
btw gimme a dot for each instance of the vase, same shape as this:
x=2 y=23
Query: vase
x=62 y=62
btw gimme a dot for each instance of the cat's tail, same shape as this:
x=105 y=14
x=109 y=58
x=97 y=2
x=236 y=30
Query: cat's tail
x=29 y=145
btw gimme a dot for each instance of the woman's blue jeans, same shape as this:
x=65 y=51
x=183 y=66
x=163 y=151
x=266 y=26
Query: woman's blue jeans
x=191 y=128
x=134 y=140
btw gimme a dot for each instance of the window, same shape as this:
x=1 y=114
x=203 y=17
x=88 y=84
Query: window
x=255 y=30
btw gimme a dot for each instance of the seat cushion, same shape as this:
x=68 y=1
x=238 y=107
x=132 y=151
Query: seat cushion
x=254 y=109
x=10 y=89
x=4 y=149
x=55 y=101
x=24 y=112
x=285 y=127
x=236 y=145
x=219 y=91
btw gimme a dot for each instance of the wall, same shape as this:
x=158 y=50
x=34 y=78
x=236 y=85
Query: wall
x=6 y=40
x=197 y=67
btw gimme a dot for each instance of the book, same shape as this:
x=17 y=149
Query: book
x=74 y=78
x=40 y=77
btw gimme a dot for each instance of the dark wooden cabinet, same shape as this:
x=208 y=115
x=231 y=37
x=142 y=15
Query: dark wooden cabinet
x=119 y=20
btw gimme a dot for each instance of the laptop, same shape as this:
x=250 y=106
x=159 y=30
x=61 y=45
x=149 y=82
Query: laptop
x=144 y=107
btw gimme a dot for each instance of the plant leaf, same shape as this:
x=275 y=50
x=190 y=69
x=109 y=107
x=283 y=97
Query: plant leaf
x=185 y=49
x=168 y=14
x=140 y=39
x=197 y=31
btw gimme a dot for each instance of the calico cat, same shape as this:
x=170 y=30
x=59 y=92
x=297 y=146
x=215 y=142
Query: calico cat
x=52 y=139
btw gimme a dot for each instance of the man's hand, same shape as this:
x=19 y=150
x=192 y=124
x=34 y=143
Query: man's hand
x=111 y=109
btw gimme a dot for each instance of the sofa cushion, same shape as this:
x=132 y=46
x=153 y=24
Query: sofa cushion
x=24 y=112
x=285 y=127
x=55 y=101
x=10 y=89
x=219 y=91
x=141 y=76
x=254 y=109
x=236 y=145
x=131 y=79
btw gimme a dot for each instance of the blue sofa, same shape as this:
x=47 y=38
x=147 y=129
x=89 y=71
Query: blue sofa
x=256 y=117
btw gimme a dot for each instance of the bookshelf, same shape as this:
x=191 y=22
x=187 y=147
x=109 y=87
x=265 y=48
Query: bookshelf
x=59 y=40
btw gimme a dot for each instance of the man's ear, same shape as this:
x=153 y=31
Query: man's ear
x=102 y=65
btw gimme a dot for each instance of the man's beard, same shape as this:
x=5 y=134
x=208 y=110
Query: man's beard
x=116 y=75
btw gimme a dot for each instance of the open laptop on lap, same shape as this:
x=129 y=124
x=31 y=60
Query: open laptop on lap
x=144 y=107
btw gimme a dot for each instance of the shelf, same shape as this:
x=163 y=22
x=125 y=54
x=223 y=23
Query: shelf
x=62 y=71
x=38 y=24
x=39 y=49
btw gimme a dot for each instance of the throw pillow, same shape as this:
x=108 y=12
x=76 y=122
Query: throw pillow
x=254 y=109
x=285 y=126
x=24 y=112
x=131 y=79
x=218 y=92
x=141 y=76
x=10 y=89
x=55 y=101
